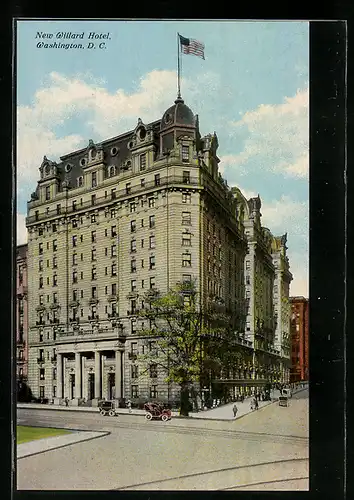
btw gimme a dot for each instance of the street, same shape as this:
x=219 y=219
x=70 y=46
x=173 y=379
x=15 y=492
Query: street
x=265 y=450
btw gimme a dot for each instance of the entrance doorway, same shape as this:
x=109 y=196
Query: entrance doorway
x=72 y=386
x=91 y=386
x=111 y=385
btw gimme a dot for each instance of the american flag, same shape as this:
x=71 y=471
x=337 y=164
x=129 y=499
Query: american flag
x=190 y=46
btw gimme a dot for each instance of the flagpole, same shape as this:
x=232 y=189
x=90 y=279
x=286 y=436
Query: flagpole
x=178 y=68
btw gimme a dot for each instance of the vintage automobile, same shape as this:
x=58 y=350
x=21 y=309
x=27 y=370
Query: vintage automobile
x=107 y=408
x=283 y=401
x=157 y=411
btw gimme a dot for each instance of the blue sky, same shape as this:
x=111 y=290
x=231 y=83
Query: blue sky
x=252 y=89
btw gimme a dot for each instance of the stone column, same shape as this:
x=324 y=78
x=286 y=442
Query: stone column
x=59 y=379
x=118 y=393
x=97 y=375
x=77 y=377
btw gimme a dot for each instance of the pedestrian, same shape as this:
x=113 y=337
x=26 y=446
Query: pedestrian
x=251 y=405
x=66 y=402
x=130 y=406
x=235 y=410
x=242 y=398
x=256 y=406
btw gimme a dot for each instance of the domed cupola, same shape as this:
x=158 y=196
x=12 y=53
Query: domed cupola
x=178 y=115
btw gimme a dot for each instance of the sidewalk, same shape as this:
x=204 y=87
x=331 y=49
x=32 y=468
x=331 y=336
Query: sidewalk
x=223 y=412
x=41 y=445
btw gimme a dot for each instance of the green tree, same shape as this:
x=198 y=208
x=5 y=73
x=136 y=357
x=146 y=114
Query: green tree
x=191 y=341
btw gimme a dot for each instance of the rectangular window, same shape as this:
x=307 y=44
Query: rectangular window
x=248 y=265
x=113 y=231
x=93 y=236
x=114 y=251
x=153 y=392
x=93 y=273
x=133 y=326
x=94 y=179
x=132 y=207
x=142 y=183
x=41 y=282
x=152 y=262
x=186 y=278
x=40 y=268
x=74 y=259
x=114 y=288
x=185 y=154
x=94 y=292
x=40 y=248
x=93 y=254
x=133 y=246
x=113 y=193
x=133 y=226
x=114 y=269
x=134 y=348
x=41 y=300
x=93 y=199
x=134 y=391
x=142 y=161
x=133 y=306
x=74 y=205
x=47 y=193
x=151 y=202
x=133 y=285
x=152 y=221
x=133 y=266
x=153 y=371
x=37 y=215
x=113 y=213
x=142 y=243
x=93 y=218
x=74 y=223
x=55 y=262
x=142 y=284
x=75 y=295
x=40 y=231
x=54 y=228
x=186 y=260
x=152 y=282
x=55 y=280
x=152 y=242
x=41 y=391
x=186 y=239
x=128 y=188
x=186 y=198
x=134 y=371
x=157 y=180
x=186 y=218
x=142 y=263
x=41 y=374
x=75 y=277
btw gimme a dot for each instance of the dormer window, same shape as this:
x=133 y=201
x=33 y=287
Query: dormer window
x=68 y=167
x=94 y=179
x=111 y=171
x=47 y=169
x=185 y=153
x=92 y=154
x=80 y=181
x=47 y=193
x=83 y=162
x=114 y=151
x=142 y=134
x=143 y=161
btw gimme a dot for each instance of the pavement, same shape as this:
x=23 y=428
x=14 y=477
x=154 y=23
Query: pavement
x=267 y=450
x=223 y=412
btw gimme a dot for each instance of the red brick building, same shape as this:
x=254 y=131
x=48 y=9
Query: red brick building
x=299 y=330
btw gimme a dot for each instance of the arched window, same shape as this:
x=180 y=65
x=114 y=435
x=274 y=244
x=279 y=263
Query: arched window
x=80 y=181
x=111 y=171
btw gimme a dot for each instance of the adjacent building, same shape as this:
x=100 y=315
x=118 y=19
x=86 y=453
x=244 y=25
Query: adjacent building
x=299 y=339
x=21 y=317
x=134 y=214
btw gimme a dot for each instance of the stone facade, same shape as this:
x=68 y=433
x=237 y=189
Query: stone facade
x=21 y=313
x=138 y=212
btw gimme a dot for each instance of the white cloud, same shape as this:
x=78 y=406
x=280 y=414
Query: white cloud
x=21 y=229
x=278 y=134
x=106 y=113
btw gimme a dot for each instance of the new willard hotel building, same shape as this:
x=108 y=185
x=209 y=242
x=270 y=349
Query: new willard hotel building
x=137 y=213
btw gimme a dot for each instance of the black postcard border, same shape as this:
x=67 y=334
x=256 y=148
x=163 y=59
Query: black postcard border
x=328 y=46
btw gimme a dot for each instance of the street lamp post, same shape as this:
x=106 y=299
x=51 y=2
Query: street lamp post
x=122 y=339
